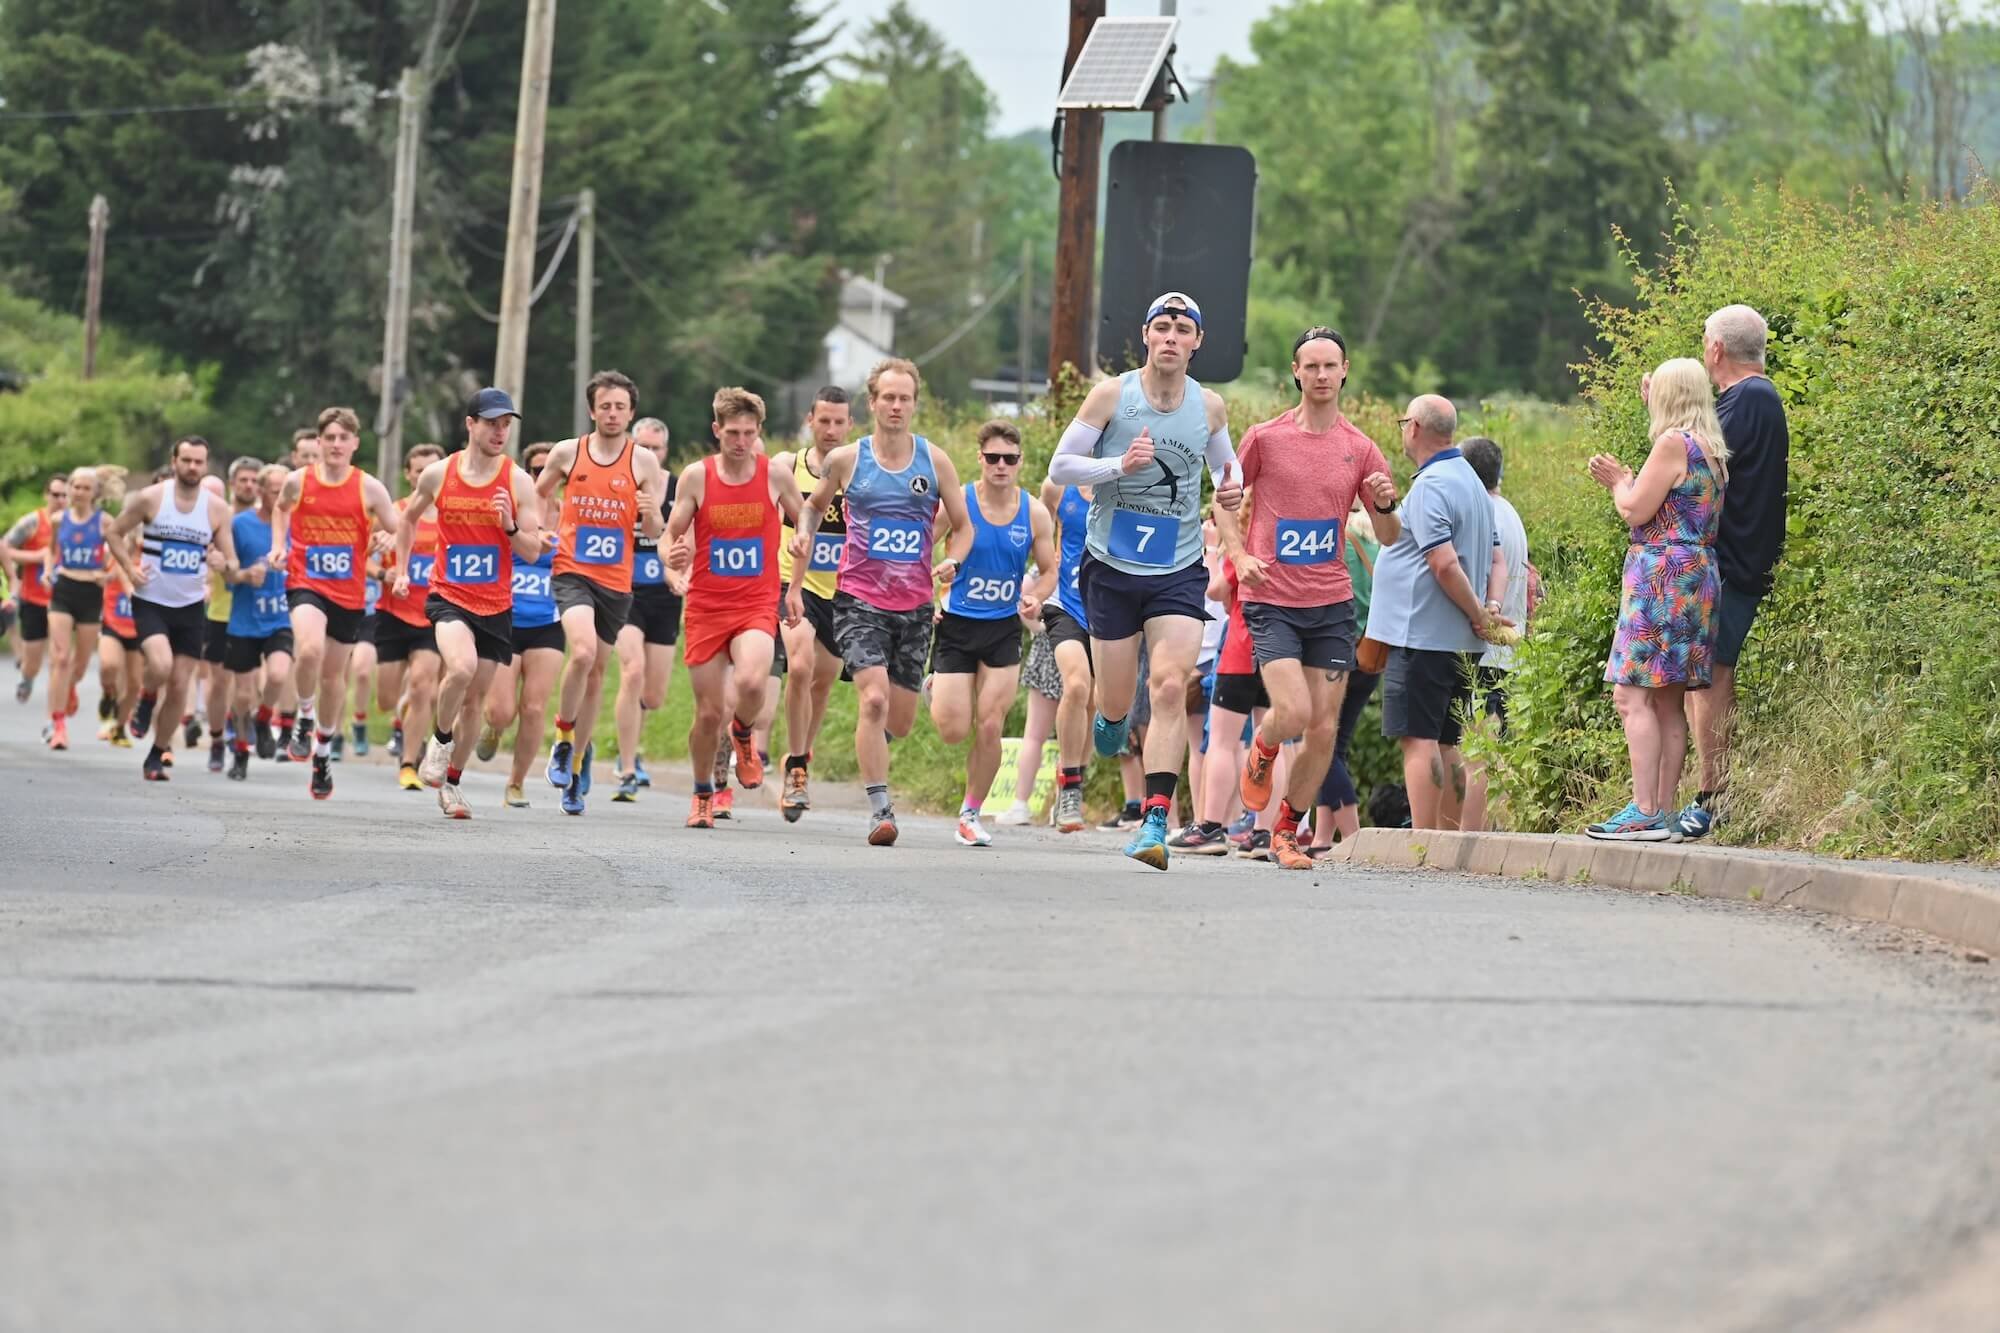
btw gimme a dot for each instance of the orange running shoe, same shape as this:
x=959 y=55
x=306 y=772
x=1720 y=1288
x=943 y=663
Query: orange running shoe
x=724 y=804
x=701 y=810
x=1257 y=776
x=1285 y=851
x=749 y=768
x=59 y=733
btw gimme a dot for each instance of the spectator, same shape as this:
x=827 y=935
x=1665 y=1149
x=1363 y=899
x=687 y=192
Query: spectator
x=1752 y=535
x=1665 y=642
x=1429 y=607
x=1515 y=605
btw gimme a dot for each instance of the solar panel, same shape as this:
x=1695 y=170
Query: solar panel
x=1118 y=63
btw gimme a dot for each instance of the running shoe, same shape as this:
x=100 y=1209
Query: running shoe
x=1633 y=825
x=1149 y=846
x=1069 y=810
x=749 y=768
x=142 y=716
x=701 y=810
x=1256 y=847
x=107 y=708
x=23 y=690
x=1015 y=815
x=1257 y=777
x=119 y=738
x=396 y=741
x=322 y=778
x=59 y=733
x=301 y=745
x=1109 y=737
x=515 y=798
x=572 y=797
x=267 y=744
x=360 y=740
x=628 y=789
x=239 y=766
x=452 y=802
x=583 y=769
x=152 y=769
x=489 y=744
x=1697 y=821
x=190 y=730
x=337 y=747
x=435 y=766
x=794 y=802
x=1128 y=817
x=558 y=773
x=882 y=829
x=639 y=770
x=725 y=802
x=218 y=756
x=407 y=779
x=1199 y=839
x=1285 y=851
x=970 y=833
x=1241 y=826
x=167 y=758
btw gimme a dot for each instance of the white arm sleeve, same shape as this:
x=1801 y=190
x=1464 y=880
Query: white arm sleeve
x=1076 y=462
x=1221 y=453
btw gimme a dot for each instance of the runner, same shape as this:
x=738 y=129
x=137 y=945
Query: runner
x=119 y=664
x=1139 y=441
x=521 y=689
x=1307 y=466
x=646 y=640
x=610 y=489
x=976 y=655
x=218 y=685
x=406 y=652
x=487 y=516
x=361 y=659
x=179 y=522
x=260 y=625
x=1067 y=626
x=75 y=564
x=810 y=651
x=732 y=501
x=893 y=483
x=330 y=504
x=22 y=550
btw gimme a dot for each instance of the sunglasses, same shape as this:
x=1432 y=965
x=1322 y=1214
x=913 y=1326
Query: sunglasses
x=537 y=471
x=1009 y=459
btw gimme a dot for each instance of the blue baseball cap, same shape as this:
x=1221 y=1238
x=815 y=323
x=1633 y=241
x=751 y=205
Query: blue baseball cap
x=1174 y=303
x=489 y=403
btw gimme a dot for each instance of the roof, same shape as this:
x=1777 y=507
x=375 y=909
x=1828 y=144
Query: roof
x=857 y=290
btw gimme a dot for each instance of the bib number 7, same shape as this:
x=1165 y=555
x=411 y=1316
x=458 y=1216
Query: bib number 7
x=1143 y=539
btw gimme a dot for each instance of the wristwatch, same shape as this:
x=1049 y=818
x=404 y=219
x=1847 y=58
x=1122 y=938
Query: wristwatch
x=1380 y=510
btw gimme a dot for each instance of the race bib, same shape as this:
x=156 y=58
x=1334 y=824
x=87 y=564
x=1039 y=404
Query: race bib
x=122 y=608
x=648 y=570
x=1308 y=541
x=180 y=558
x=827 y=550
x=472 y=564
x=600 y=546
x=80 y=557
x=1143 y=539
x=270 y=605
x=899 y=541
x=326 y=562
x=421 y=567
x=531 y=584
x=372 y=594
x=736 y=557
x=989 y=594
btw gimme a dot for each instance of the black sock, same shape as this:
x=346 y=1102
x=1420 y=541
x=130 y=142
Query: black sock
x=793 y=761
x=1070 y=777
x=441 y=737
x=1161 y=784
x=1702 y=798
x=1131 y=807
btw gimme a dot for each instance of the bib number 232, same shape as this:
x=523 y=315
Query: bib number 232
x=1143 y=539
x=898 y=541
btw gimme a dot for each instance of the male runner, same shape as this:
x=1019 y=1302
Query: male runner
x=179 y=521
x=1139 y=442
x=976 y=655
x=322 y=538
x=260 y=625
x=22 y=551
x=732 y=501
x=406 y=652
x=119 y=662
x=811 y=653
x=646 y=640
x=522 y=688
x=1067 y=625
x=894 y=482
x=488 y=517
x=610 y=488
x=217 y=683
x=1307 y=466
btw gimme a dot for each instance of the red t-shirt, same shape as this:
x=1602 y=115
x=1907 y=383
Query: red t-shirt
x=1237 y=658
x=1306 y=483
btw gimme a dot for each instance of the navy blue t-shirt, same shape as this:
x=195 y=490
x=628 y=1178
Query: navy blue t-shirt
x=1752 y=534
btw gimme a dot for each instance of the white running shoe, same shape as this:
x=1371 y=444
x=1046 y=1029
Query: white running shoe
x=436 y=764
x=452 y=802
x=970 y=834
x=1017 y=813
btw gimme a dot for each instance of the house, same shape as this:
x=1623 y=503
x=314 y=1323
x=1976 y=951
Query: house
x=864 y=333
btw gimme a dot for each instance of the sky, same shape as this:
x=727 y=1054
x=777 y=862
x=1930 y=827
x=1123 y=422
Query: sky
x=1017 y=45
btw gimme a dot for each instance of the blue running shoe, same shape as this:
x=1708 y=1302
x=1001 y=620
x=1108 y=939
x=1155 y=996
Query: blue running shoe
x=583 y=769
x=639 y=771
x=1109 y=737
x=572 y=797
x=1633 y=825
x=559 y=764
x=1697 y=821
x=1150 y=843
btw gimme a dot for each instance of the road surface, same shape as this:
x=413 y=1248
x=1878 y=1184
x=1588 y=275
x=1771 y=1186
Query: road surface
x=272 y=1064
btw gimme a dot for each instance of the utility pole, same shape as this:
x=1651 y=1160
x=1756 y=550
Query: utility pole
x=1168 y=8
x=586 y=279
x=93 y=298
x=1071 y=335
x=396 y=317
x=525 y=203
x=1021 y=321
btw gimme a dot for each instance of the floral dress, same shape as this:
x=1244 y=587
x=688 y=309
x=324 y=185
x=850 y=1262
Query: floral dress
x=1666 y=618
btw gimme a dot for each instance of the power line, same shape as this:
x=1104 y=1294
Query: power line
x=548 y=274
x=182 y=108
x=660 y=303
x=972 y=320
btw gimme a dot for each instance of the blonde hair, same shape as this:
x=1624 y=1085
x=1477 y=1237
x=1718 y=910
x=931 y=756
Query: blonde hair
x=898 y=364
x=1681 y=398
x=266 y=472
x=111 y=483
x=88 y=474
x=734 y=402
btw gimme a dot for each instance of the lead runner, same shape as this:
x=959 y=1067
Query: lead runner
x=1139 y=442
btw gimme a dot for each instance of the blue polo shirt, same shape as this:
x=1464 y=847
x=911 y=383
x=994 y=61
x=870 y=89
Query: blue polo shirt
x=1409 y=609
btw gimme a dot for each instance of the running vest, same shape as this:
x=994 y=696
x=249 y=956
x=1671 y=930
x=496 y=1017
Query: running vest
x=423 y=556
x=118 y=609
x=735 y=542
x=174 y=551
x=329 y=537
x=257 y=611
x=1072 y=518
x=1151 y=523
x=988 y=586
x=823 y=569
x=649 y=568
x=534 y=591
x=600 y=509
x=475 y=556
x=890 y=517
x=35 y=590
x=80 y=546
x=218 y=598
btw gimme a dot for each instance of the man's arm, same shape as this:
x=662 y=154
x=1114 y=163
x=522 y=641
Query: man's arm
x=561 y=459
x=224 y=524
x=137 y=511
x=527 y=538
x=1223 y=469
x=952 y=495
x=652 y=492
x=1046 y=564
x=692 y=488
x=785 y=492
x=839 y=467
x=414 y=508
x=1445 y=568
x=281 y=519
x=1076 y=462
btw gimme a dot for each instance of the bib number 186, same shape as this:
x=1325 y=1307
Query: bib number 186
x=329 y=562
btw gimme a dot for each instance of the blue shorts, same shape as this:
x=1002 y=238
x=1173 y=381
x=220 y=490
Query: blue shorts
x=1735 y=613
x=1120 y=604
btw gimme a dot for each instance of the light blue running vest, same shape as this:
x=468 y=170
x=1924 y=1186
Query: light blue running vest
x=1151 y=523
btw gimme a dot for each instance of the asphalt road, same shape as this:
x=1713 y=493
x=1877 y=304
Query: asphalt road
x=270 y=1064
